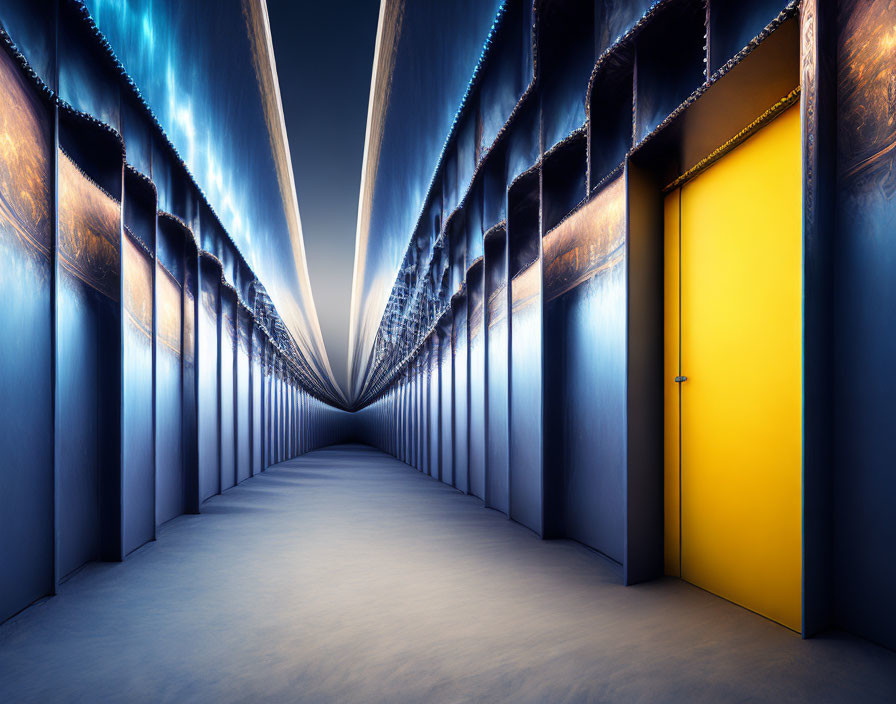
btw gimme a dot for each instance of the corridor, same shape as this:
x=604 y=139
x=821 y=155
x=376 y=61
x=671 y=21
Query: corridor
x=346 y=576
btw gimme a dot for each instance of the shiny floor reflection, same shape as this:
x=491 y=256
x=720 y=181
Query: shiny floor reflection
x=346 y=576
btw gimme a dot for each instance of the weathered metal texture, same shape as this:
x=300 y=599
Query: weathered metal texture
x=88 y=360
x=584 y=284
x=864 y=298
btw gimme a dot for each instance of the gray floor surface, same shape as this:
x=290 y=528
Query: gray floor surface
x=346 y=576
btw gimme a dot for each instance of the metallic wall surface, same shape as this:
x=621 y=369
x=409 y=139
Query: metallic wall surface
x=88 y=358
x=417 y=416
x=277 y=417
x=103 y=325
x=268 y=428
x=209 y=80
x=243 y=398
x=425 y=416
x=257 y=395
x=138 y=456
x=477 y=374
x=446 y=392
x=152 y=413
x=26 y=351
x=227 y=387
x=416 y=116
x=280 y=416
x=567 y=49
x=33 y=25
x=207 y=374
x=190 y=385
x=88 y=85
x=495 y=295
x=585 y=284
x=435 y=407
x=461 y=439
x=526 y=391
x=865 y=339
x=170 y=466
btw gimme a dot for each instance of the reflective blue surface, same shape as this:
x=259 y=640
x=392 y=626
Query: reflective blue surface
x=434 y=434
x=88 y=402
x=207 y=374
x=201 y=73
x=26 y=482
x=417 y=121
x=461 y=395
x=585 y=358
x=477 y=384
x=257 y=394
x=526 y=391
x=243 y=400
x=446 y=371
x=497 y=490
x=138 y=465
x=227 y=390
x=865 y=381
x=170 y=474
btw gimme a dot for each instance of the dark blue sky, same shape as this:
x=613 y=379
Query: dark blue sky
x=324 y=54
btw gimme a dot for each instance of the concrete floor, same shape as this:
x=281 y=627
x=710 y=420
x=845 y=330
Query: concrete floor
x=346 y=576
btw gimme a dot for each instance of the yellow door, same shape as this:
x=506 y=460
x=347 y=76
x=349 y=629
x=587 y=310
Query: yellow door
x=733 y=329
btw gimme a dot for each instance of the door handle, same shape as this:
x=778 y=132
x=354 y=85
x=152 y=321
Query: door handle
x=680 y=379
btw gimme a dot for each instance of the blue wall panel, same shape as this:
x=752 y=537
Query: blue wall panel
x=88 y=377
x=461 y=391
x=257 y=418
x=207 y=375
x=497 y=490
x=435 y=408
x=26 y=403
x=446 y=371
x=477 y=373
x=243 y=398
x=525 y=398
x=585 y=285
x=170 y=470
x=138 y=443
x=226 y=387
x=190 y=415
x=865 y=338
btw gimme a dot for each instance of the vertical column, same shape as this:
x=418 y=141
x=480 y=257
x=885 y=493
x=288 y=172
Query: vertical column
x=227 y=330
x=89 y=345
x=497 y=490
x=526 y=337
x=27 y=368
x=171 y=348
x=478 y=379
x=207 y=365
x=446 y=371
x=244 y=401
